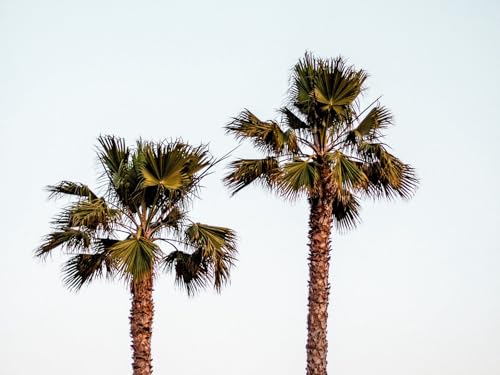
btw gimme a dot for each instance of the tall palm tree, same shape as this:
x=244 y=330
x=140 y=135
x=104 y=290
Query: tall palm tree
x=139 y=228
x=328 y=149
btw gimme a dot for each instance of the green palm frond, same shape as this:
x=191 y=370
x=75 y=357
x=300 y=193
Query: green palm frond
x=346 y=209
x=390 y=177
x=267 y=136
x=171 y=172
x=135 y=257
x=245 y=171
x=71 y=189
x=298 y=176
x=93 y=214
x=121 y=170
x=293 y=121
x=197 y=159
x=328 y=86
x=337 y=86
x=303 y=83
x=217 y=246
x=113 y=154
x=164 y=168
x=377 y=119
x=172 y=165
x=346 y=173
x=211 y=239
x=81 y=269
x=192 y=272
x=73 y=240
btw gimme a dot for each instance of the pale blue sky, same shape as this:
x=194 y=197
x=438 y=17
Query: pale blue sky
x=416 y=288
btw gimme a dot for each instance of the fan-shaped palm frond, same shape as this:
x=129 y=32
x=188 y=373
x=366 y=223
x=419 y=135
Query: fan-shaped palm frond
x=328 y=86
x=377 y=119
x=347 y=173
x=390 y=178
x=213 y=255
x=164 y=167
x=245 y=171
x=217 y=246
x=337 y=86
x=73 y=240
x=135 y=257
x=72 y=189
x=298 y=176
x=92 y=214
x=82 y=269
x=192 y=273
x=346 y=210
x=268 y=136
x=113 y=154
x=121 y=171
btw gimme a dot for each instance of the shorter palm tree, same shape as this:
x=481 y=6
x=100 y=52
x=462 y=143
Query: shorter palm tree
x=139 y=228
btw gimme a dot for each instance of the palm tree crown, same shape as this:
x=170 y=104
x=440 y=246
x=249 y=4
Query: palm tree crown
x=323 y=134
x=148 y=191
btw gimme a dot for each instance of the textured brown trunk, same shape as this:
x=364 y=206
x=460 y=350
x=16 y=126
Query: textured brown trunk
x=320 y=223
x=141 y=324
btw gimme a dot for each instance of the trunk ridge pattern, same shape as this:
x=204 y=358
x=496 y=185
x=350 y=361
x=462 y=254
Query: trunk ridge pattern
x=320 y=223
x=141 y=324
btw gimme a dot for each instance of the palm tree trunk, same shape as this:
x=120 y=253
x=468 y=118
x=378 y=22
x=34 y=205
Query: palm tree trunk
x=320 y=222
x=141 y=322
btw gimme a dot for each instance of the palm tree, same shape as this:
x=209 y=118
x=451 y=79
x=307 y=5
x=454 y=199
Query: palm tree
x=125 y=233
x=328 y=149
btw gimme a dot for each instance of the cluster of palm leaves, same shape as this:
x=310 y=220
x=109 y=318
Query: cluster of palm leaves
x=139 y=225
x=323 y=126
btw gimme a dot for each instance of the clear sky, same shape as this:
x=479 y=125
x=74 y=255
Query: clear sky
x=416 y=288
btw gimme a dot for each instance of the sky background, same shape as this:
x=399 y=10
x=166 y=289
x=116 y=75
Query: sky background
x=415 y=288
